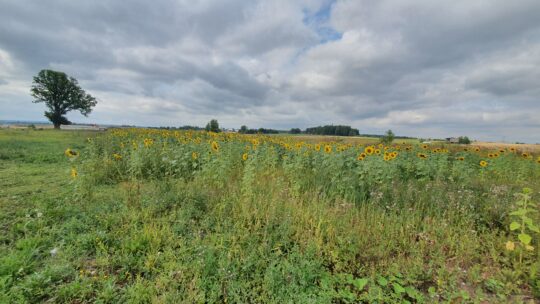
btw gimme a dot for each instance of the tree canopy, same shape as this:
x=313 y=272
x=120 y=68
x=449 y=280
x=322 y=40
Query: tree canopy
x=333 y=130
x=213 y=126
x=61 y=94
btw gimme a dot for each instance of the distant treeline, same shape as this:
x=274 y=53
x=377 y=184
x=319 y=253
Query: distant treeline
x=377 y=136
x=246 y=130
x=333 y=130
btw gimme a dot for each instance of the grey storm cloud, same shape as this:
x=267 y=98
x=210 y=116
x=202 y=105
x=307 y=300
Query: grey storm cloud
x=419 y=67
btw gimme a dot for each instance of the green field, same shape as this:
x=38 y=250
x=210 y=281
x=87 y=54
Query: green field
x=149 y=216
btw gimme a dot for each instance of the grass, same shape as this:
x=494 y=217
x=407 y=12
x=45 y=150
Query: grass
x=289 y=224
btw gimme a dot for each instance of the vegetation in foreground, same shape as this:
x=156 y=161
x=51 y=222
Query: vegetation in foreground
x=156 y=216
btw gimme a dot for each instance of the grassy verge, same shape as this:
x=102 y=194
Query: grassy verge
x=254 y=230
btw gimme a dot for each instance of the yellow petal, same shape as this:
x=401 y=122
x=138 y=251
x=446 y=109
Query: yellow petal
x=510 y=246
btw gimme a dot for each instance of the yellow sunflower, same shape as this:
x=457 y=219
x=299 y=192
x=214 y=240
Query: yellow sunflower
x=194 y=155
x=74 y=173
x=117 y=156
x=71 y=153
x=422 y=155
x=483 y=163
x=245 y=156
x=328 y=149
x=377 y=151
x=369 y=150
x=318 y=147
x=215 y=146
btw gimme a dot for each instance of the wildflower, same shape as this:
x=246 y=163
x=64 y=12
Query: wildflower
x=328 y=149
x=148 y=142
x=369 y=150
x=74 y=173
x=194 y=155
x=510 y=246
x=71 y=153
x=117 y=156
x=215 y=146
x=244 y=156
x=53 y=251
x=422 y=155
x=483 y=163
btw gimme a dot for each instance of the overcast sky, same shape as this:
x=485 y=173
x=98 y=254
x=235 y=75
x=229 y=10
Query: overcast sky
x=421 y=68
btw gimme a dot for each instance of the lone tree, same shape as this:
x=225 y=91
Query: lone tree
x=388 y=138
x=213 y=126
x=60 y=94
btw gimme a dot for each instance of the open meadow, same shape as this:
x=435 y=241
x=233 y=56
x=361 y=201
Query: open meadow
x=156 y=216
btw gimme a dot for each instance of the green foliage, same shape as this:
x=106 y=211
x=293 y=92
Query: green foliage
x=288 y=223
x=295 y=131
x=525 y=224
x=213 y=126
x=388 y=137
x=333 y=130
x=464 y=140
x=60 y=94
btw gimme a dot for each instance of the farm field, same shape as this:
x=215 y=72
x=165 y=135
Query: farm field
x=154 y=216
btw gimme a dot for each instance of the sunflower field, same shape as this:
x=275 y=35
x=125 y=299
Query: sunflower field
x=158 y=216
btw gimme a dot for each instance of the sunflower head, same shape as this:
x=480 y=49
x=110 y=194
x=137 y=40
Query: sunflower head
x=377 y=151
x=369 y=150
x=483 y=163
x=422 y=155
x=71 y=153
x=318 y=147
x=215 y=146
x=117 y=156
x=361 y=157
x=194 y=155
x=245 y=156
x=461 y=158
x=328 y=149
x=74 y=173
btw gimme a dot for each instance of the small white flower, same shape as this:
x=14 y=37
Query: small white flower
x=39 y=214
x=54 y=251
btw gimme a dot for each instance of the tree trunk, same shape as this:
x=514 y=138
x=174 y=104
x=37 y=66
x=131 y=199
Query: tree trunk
x=56 y=125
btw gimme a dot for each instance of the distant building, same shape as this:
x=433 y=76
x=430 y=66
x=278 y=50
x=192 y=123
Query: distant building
x=452 y=140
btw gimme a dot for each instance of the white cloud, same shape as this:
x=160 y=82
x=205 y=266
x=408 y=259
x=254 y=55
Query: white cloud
x=419 y=67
